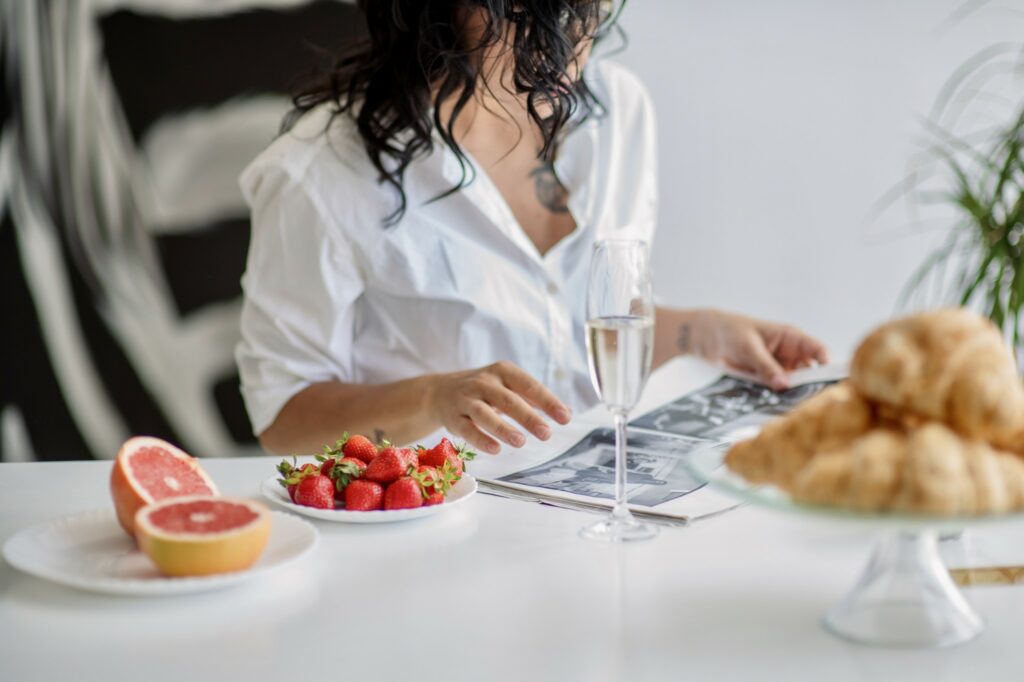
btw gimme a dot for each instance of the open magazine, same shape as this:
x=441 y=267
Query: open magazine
x=701 y=422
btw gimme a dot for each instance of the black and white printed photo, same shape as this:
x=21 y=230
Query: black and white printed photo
x=656 y=466
x=729 y=409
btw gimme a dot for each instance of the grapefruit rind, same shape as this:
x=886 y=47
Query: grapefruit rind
x=129 y=497
x=199 y=554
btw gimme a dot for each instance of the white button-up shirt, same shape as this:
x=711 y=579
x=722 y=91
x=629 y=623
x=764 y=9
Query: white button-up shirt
x=332 y=294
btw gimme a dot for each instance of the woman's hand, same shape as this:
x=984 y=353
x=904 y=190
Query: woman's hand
x=765 y=349
x=472 y=404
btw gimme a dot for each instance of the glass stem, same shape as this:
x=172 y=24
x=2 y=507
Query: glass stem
x=620 y=511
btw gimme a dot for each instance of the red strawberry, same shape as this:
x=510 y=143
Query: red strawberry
x=388 y=466
x=338 y=467
x=410 y=456
x=363 y=495
x=437 y=455
x=345 y=470
x=433 y=498
x=405 y=493
x=307 y=470
x=433 y=481
x=354 y=461
x=428 y=478
x=446 y=452
x=331 y=454
x=291 y=475
x=315 y=491
x=361 y=448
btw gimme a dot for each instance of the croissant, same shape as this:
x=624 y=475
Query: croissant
x=930 y=470
x=865 y=475
x=827 y=421
x=951 y=366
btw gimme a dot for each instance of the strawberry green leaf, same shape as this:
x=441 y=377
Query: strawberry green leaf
x=291 y=474
x=344 y=473
x=336 y=449
x=447 y=476
x=286 y=468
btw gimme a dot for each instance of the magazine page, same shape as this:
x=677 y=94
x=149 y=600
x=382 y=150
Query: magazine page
x=584 y=474
x=734 y=406
x=715 y=408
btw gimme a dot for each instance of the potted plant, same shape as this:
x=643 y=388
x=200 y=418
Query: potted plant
x=974 y=171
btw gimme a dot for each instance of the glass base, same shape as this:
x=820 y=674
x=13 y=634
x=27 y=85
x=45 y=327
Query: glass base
x=905 y=598
x=619 y=528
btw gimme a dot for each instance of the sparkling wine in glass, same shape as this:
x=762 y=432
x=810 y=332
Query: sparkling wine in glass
x=620 y=344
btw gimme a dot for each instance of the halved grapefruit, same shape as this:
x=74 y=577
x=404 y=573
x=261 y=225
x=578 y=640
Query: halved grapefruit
x=149 y=469
x=201 y=535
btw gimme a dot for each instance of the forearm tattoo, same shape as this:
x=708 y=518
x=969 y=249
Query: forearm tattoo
x=551 y=193
x=683 y=339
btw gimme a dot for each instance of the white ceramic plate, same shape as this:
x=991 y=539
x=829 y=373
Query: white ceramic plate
x=273 y=491
x=90 y=551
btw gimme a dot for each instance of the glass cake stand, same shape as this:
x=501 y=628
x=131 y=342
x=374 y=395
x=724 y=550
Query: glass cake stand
x=905 y=597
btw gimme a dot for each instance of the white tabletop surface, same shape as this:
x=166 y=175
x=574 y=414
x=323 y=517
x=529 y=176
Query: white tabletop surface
x=494 y=590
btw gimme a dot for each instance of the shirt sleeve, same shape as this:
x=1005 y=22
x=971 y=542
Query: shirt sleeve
x=299 y=292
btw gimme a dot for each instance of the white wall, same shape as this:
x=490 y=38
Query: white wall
x=781 y=123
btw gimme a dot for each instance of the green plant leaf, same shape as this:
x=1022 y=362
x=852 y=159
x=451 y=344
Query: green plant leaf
x=984 y=170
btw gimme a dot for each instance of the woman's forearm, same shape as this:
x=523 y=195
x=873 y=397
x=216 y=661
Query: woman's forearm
x=403 y=411
x=321 y=412
x=476 y=404
x=765 y=349
x=675 y=333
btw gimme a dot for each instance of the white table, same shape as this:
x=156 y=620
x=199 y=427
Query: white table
x=496 y=590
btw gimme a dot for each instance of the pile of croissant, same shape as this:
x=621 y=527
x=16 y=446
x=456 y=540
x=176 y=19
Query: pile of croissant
x=931 y=421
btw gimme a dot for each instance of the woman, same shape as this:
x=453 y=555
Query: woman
x=422 y=232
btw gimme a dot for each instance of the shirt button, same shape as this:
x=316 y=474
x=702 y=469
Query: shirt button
x=552 y=288
x=559 y=374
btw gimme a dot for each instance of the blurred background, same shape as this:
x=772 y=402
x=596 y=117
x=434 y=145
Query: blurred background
x=788 y=131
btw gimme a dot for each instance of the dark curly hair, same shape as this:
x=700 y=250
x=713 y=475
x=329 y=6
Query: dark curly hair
x=414 y=58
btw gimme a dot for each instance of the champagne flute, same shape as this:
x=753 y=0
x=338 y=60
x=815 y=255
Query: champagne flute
x=620 y=344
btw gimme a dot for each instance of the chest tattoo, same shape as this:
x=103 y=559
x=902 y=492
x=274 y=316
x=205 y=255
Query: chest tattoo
x=551 y=193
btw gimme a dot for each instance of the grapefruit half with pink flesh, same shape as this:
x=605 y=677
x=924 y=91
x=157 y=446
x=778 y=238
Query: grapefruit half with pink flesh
x=201 y=535
x=147 y=470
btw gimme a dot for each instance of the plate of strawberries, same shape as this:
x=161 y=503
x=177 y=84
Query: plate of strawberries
x=358 y=481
